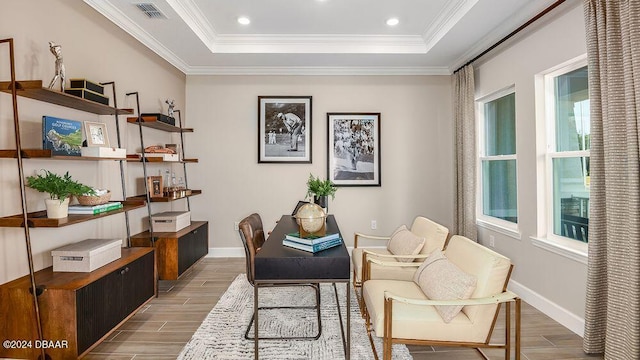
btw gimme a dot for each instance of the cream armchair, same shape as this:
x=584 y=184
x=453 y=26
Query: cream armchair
x=400 y=311
x=435 y=236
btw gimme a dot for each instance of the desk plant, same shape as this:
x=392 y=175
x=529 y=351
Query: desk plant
x=320 y=190
x=60 y=189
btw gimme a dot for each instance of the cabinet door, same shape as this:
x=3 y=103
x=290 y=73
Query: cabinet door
x=99 y=309
x=138 y=283
x=192 y=247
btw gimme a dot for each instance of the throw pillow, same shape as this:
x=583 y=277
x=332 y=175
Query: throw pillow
x=404 y=242
x=440 y=279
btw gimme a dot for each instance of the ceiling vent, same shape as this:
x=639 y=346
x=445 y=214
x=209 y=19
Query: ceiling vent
x=151 y=11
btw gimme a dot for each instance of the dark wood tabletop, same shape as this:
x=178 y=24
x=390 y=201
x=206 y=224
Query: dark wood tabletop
x=278 y=262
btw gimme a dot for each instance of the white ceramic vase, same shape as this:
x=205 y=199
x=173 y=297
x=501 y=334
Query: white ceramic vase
x=57 y=209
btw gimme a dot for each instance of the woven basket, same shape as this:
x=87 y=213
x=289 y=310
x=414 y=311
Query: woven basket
x=94 y=200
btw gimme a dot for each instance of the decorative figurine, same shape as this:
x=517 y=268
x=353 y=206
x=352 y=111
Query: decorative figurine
x=171 y=106
x=56 y=50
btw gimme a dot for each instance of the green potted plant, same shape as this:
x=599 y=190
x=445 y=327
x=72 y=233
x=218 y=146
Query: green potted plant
x=320 y=190
x=60 y=189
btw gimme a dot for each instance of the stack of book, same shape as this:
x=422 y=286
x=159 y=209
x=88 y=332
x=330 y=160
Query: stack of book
x=312 y=244
x=94 y=209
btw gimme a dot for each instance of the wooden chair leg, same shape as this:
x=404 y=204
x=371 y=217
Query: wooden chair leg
x=387 y=343
x=518 y=324
x=507 y=332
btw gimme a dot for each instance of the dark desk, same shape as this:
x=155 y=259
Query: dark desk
x=275 y=263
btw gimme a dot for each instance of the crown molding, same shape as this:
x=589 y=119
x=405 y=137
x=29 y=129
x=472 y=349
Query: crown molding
x=191 y=14
x=316 y=70
x=446 y=20
x=125 y=23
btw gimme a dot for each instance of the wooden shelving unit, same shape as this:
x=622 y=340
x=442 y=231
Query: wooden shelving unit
x=45 y=305
x=176 y=251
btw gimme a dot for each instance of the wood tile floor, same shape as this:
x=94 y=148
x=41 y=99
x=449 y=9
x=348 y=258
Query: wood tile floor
x=165 y=325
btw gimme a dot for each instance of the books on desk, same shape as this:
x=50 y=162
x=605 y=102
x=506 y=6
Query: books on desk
x=94 y=209
x=311 y=240
x=312 y=245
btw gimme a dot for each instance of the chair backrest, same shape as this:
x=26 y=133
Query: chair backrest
x=434 y=234
x=298 y=206
x=492 y=272
x=252 y=236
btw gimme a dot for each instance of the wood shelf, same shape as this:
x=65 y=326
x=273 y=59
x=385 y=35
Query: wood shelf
x=46 y=154
x=33 y=89
x=155 y=159
x=151 y=122
x=164 y=198
x=39 y=218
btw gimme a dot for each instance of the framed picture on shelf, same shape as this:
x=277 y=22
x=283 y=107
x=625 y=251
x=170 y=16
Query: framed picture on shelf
x=353 y=148
x=155 y=186
x=96 y=134
x=284 y=129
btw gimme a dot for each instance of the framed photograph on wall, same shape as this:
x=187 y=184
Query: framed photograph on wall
x=155 y=185
x=284 y=129
x=353 y=148
x=96 y=134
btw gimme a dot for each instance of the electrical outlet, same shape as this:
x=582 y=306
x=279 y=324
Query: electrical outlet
x=374 y=224
x=236 y=225
x=492 y=241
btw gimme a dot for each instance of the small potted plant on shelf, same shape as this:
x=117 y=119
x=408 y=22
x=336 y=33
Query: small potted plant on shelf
x=60 y=189
x=320 y=190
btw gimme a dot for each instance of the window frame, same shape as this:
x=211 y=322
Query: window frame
x=546 y=238
x=496 y=224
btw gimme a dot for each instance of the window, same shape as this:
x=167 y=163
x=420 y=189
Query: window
x=498 y=200
x=568 y=142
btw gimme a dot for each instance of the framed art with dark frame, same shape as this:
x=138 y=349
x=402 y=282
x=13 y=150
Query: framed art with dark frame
x=284 y=129
x=96 y=134
x=353 y=148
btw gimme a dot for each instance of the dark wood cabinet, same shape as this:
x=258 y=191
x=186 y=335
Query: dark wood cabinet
x=79 y=308
x=177 y=251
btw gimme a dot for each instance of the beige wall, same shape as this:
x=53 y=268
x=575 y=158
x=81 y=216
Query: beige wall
x=416 y=150
x=551 y=281
x=95 y=49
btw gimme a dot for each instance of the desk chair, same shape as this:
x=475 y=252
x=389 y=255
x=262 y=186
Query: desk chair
x=252 y=236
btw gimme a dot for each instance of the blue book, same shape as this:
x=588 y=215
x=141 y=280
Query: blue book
x=61 y=136
x=311 y=240
x=313 y=248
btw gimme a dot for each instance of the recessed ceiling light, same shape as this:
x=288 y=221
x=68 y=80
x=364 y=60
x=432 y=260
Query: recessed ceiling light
x=244 y=20
x=393 y=21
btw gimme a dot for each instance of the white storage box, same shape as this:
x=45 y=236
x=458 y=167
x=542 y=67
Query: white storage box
x=171 y=221
x=163 y=156
x=86 y=255
x=100 y=151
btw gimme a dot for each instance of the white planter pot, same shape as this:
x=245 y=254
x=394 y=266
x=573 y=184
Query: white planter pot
x=57 y=209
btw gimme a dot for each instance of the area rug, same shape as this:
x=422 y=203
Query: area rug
x=221 y=334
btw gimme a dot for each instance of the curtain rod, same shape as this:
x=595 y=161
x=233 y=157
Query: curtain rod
x=531 y=21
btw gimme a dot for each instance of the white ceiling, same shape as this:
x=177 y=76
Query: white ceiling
x=322 y=37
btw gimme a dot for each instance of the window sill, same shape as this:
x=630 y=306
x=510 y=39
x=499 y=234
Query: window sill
x=499 y=228
x=570 y=249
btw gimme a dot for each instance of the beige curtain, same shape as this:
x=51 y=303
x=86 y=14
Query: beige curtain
x=464 y=220
x=612 y=316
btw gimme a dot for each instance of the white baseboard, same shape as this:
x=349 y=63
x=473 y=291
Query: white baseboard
x=231 y=252
x=566 y=318
x=546 y=306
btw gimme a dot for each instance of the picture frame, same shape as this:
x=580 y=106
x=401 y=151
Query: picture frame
x=284 y=129
x=353 y=149
x=155 y=186
x=96 y=134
